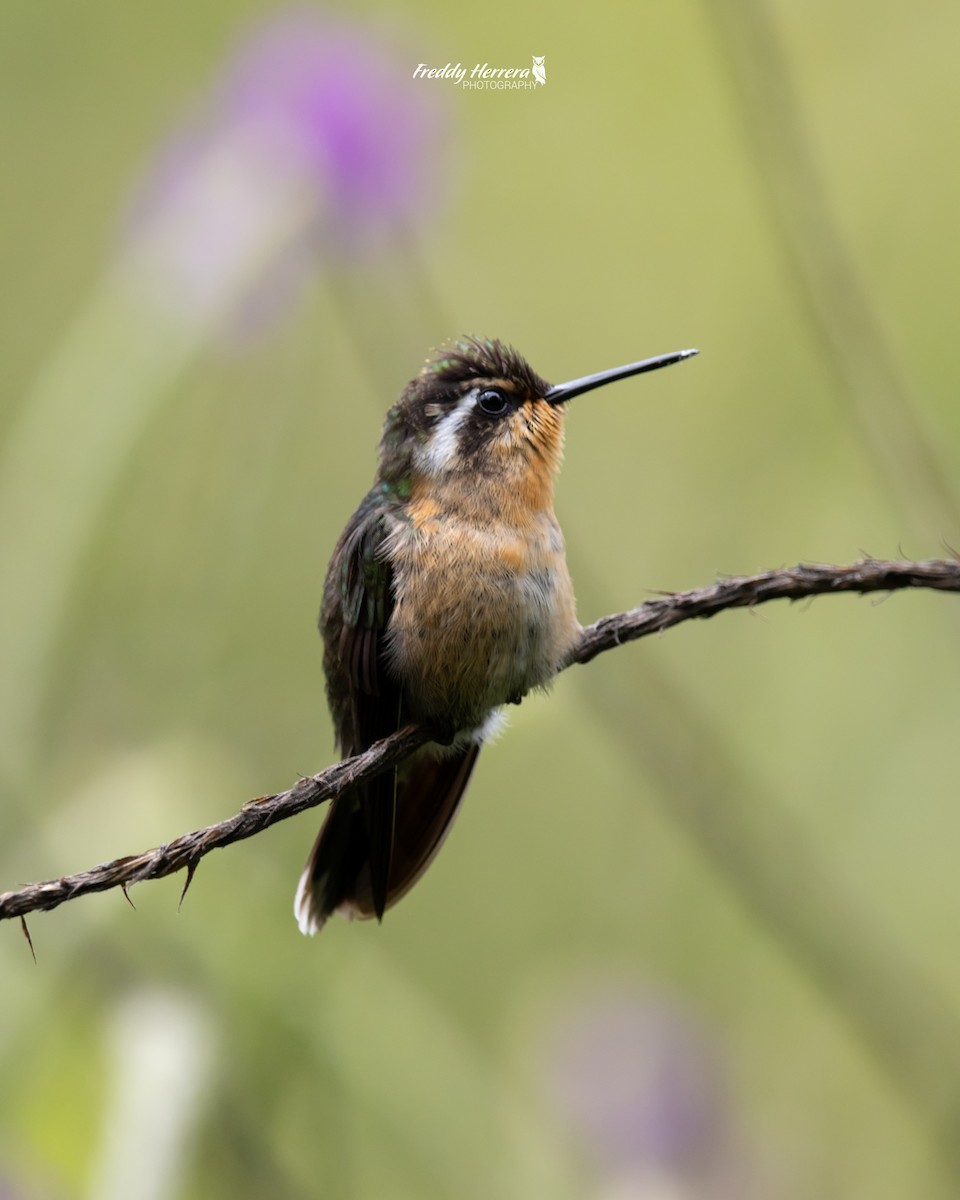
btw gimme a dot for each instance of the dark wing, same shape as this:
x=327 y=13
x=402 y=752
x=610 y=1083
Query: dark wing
x=378 y=838
x=365 y=704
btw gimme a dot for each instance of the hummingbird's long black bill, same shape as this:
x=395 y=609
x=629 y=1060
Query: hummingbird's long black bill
x=576 y=387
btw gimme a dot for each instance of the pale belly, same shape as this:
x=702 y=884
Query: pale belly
x=480 y=616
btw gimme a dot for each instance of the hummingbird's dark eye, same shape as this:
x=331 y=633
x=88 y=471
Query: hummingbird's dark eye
x=493 y=402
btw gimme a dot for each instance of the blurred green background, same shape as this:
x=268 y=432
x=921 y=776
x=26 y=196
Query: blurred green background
x=694 y=933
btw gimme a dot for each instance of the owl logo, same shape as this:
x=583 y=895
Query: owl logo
x=539 y=70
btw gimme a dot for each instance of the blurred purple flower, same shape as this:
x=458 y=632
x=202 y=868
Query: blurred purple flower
x=314 y=142
x=363 y=128
x=634 y=1077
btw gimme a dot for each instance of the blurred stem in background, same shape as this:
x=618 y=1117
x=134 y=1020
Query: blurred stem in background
x=162 y=1050
x=58 y=467
x=908 y=1024
x=837 y=304
x=306 y=154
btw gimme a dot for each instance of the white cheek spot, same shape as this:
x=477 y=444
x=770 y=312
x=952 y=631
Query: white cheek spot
x=440 y=452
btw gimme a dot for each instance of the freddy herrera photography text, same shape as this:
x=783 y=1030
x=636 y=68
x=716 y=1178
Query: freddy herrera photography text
x=484 y=77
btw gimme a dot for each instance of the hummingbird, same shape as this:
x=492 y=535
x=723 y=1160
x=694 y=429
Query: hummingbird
x=447 y=597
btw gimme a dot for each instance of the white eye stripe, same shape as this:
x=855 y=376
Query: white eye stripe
x=440 y=452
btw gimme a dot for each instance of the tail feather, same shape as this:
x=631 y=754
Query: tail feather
x=337 y=876
x=338 y=856
x=378 y=804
